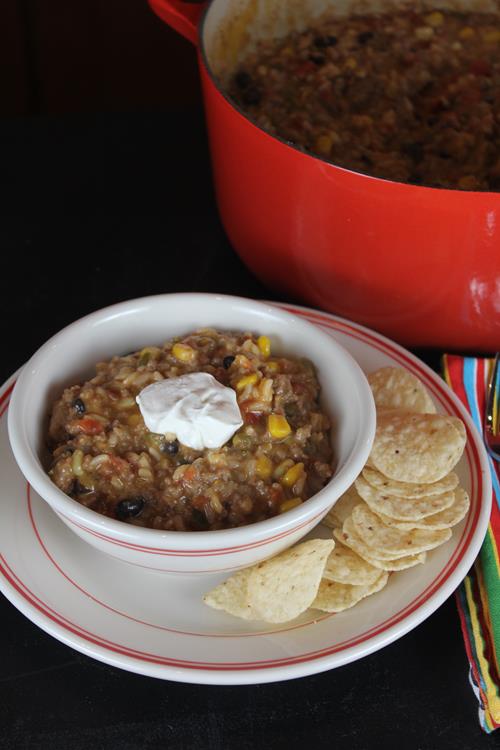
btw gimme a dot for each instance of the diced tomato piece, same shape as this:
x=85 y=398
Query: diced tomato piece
x=480 y=68
x=276 y=494
x=306 y=68
x=471 y=96
x=249 y=416
x=199 y=502
x=89 y=426
x=120 y=464
x=189 y=474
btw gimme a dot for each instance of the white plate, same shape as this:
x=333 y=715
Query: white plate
x=154 y=624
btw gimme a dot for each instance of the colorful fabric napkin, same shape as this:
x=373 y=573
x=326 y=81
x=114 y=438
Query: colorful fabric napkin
x=478 y=598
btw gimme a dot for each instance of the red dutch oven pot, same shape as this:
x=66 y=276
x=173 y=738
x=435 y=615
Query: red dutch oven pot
x=421 y=265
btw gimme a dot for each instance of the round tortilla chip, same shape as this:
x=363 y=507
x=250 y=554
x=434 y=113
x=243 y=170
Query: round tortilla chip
x=378 y=536
x=392 y=564
x=442 y=520
x=417 y=447
x=350 y=537
x=231 y=596
x=335 y=597
x=281 y=588
x=405 y=489
x=342 y=508
x=345 y=566
x=395 y=388
x=403 y=508
x=400 y=563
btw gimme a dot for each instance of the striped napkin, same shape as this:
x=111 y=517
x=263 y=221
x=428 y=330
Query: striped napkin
x=478 y=598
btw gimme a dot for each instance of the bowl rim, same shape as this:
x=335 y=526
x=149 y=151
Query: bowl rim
x=225 y=539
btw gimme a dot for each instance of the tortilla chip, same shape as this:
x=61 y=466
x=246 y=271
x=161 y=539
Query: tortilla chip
x=389 y=564
x=335 y=597
x=390 y=540
x=405 y=489
x=281 y=588
x=345 y=566
x=395 y=388
x=445 y=519
x=342 y=508
x=350 y=537
x=417 y=447
x=231 y=595
x=403 y=508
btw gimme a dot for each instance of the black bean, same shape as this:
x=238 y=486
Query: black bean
x=365 y=37
x=444 y=155
x=242 y=79
x=79 y=406
x=325 y=41
x=130 y=508
x=317 y=59
x=251 y=96
x=172 y=447
x=292 y=413
x=494 y=183
x=199 y=519
x=415 y=179
x=426 y=88
x=79 y=489
x=228 y=361
x=414 y=150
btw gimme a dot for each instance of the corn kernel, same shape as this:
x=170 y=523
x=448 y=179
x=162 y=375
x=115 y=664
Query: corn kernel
x=351 y=63
x=247 y=380
x=424 y=33
x=492 y=36
x=133 y=420
x=323 y=144
x=434 y=19
x=466 y=32
x=289 y=504
x=183 y=352
x=282 y=468
x=291 y=476
x=278 y=426
x=264 y=467
x=272 y=366
x=264 y=345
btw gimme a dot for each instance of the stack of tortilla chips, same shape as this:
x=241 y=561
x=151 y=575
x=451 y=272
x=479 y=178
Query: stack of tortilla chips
x=402 y=505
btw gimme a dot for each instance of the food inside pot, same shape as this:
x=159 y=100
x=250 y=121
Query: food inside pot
x=105 y=456
x=407 y=96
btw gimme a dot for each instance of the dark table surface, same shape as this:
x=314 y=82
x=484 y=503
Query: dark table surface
x=95 y=210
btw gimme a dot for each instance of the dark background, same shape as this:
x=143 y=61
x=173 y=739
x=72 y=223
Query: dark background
x=64 y=56
x=106 y=194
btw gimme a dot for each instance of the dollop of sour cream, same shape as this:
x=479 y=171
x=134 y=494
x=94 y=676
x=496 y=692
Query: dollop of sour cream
x=196 y=408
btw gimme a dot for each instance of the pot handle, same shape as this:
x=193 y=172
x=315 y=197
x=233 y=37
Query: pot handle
x=181 y=16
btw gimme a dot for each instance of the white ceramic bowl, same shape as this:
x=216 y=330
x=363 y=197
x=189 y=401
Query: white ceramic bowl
x=70 y=356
